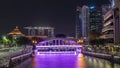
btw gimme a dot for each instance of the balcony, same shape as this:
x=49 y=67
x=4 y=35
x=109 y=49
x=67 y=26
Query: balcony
x=107 y=28
x=108 y=14
x=107 y=36
x=108 y=22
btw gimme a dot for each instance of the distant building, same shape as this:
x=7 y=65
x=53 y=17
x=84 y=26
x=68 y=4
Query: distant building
x=40 y=32
x=16 y=33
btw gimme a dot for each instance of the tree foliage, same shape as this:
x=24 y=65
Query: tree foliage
x=23 y=41
x=10 y=38
x=61 y=36
x=97 y=42
x=0 y=39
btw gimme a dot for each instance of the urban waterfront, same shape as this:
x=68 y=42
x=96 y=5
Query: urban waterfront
x=60 y=34
x=66 y=61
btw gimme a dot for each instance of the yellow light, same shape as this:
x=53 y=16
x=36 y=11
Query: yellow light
x=34 y=41
x=107 y=17
x=80 y=41
x=107 y=23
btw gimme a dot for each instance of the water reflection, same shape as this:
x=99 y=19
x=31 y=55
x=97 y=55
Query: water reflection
x=54 y=61
x=93 y=62
x=81 y=61
x=66 y=61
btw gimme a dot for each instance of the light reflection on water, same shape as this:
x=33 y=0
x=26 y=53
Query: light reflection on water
x=66 y=61
x=99 y=63
x=81 y=61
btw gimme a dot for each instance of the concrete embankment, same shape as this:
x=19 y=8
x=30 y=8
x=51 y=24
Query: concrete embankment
x=111 y=58
x=19 y=59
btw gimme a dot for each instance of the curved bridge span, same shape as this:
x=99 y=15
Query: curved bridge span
x=58 y=45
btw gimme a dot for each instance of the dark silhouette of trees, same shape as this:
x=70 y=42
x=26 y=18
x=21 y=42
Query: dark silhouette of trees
x=97 y=42
x=23 y=41
x=60 y=36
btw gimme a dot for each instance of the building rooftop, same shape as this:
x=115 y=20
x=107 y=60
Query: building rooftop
x=16 y=31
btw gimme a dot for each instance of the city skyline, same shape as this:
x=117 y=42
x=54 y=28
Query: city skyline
x=58 y=14
x=60 y=34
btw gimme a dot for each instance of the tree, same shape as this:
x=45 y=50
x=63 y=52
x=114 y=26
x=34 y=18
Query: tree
x=1 y=39
x=97 y=41
x=60 y=36
x=10 y=38
x=23 y=41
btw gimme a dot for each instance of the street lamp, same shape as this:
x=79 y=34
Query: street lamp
x=34 y=41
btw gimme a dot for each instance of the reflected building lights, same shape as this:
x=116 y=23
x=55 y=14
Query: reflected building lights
x=81 y=61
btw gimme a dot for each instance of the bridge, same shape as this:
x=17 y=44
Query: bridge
x=58 y=45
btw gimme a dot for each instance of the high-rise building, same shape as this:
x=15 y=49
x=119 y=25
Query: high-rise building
x=95 y=20
x=78 y=22
x=115 y=3
x=111 y=27
x=105 y=8
x=85 y=24
x=82 y=23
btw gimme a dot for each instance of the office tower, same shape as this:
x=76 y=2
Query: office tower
x=85 y=24
x=78 y=22
x=111 y=27
x=95 y=20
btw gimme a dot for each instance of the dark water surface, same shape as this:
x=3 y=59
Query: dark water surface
x=66 y=61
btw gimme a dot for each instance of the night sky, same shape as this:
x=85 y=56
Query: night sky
x=59 y=14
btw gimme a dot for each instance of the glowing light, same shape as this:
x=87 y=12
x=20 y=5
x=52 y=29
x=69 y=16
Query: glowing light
x=38 y=53
x=92 y=7
x=107 y=23
x=80 y=55
x=5 y=39
x=80 y=41
x=16 y=31
x=113 y=3
x=108 y=16
x=75 y=53
x=108 y=29
x=81 y=61
x=34 y=41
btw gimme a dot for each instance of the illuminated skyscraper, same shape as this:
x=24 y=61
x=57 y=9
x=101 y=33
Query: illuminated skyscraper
x=96 y=20
x=82 y=23
x=78 y=22
x=85 y=24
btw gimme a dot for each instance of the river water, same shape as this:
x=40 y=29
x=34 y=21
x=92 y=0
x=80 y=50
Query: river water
x=66 y=61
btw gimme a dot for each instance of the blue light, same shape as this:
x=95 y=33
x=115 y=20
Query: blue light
x=113 y=3
x=92 y=7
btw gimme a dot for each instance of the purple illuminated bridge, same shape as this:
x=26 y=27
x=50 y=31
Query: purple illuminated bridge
x=58 y=45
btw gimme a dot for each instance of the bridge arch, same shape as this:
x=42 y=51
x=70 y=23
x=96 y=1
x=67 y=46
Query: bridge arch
x=57 y=41
x=58 y=45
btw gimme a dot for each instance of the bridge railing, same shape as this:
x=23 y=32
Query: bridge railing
x=58 y=46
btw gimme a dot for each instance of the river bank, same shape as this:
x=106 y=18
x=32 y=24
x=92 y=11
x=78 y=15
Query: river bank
x=111 y=58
